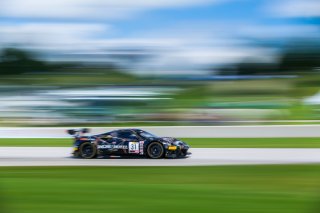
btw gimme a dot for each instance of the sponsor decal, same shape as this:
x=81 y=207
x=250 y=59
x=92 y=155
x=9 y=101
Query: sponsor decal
x=141 y=147
x=111 y=146
x=134 y=147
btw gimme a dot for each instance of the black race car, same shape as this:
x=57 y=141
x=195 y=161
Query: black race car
x=126 y=142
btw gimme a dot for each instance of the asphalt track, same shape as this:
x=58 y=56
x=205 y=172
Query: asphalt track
x=60 y=156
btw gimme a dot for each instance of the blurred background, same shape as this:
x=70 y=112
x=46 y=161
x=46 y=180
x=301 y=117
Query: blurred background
x=177 y=62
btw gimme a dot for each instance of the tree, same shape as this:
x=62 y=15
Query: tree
x=249 y=67
x=301 y=58
x=16 y=61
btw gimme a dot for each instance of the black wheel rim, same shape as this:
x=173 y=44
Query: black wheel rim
x=87 y=150
x=155 y=150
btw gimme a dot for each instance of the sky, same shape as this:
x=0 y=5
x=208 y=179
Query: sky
x=177 y=35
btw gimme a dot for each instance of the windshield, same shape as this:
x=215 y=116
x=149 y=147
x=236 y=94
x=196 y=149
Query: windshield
x=145 y=134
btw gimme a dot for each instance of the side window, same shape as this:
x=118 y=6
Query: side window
x=106 y=137
x=128 y=135
x=114 y=134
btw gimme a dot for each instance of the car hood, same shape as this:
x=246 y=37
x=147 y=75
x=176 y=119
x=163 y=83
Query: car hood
x=171 y=141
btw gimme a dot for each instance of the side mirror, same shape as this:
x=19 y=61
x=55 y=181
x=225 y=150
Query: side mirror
x=85 y=130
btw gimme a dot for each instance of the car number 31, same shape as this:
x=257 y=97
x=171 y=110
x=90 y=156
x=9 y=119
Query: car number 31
x=134 y=147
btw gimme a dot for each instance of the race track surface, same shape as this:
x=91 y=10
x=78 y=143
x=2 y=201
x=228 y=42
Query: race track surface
x=60 y=156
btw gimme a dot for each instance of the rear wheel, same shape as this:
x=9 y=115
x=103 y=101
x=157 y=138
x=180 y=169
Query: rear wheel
x=155 y=150
x=88 y=150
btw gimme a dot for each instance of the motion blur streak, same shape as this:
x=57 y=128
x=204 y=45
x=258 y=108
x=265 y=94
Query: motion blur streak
x=178 y=62
x=3 y=199
x=225 y=189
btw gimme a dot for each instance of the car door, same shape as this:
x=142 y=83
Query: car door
x=109 y=143
x=131 y=140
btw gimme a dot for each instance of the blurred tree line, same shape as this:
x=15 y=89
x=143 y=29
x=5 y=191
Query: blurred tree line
x=297 y=58
x=15 y=62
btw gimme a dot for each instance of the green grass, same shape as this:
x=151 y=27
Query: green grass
x=41 y=142
x=253 y=142
x=224 y=189
x=194 y=142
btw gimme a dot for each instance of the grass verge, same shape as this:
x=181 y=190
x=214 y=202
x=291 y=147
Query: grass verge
x=224 y=189
x=194 y=142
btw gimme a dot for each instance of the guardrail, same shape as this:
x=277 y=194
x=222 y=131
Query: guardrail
x=271 y=131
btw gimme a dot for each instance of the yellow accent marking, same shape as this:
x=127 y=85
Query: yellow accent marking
x=172 y=148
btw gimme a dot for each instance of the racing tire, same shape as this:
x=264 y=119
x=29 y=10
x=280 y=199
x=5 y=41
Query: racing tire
x=155 y=150
x=88 y=150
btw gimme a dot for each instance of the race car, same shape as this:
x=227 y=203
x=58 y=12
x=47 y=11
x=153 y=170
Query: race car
x=126 y=142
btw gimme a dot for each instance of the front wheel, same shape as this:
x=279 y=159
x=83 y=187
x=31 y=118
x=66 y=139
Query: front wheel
x=88 y=150
x=155 y=150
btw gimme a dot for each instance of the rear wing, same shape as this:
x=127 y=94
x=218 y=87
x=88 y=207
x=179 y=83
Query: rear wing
x=77 y=132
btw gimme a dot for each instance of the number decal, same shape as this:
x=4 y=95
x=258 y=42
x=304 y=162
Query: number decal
x=134 y=147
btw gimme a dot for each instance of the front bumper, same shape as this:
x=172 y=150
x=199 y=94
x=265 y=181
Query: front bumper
x=177 y=152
